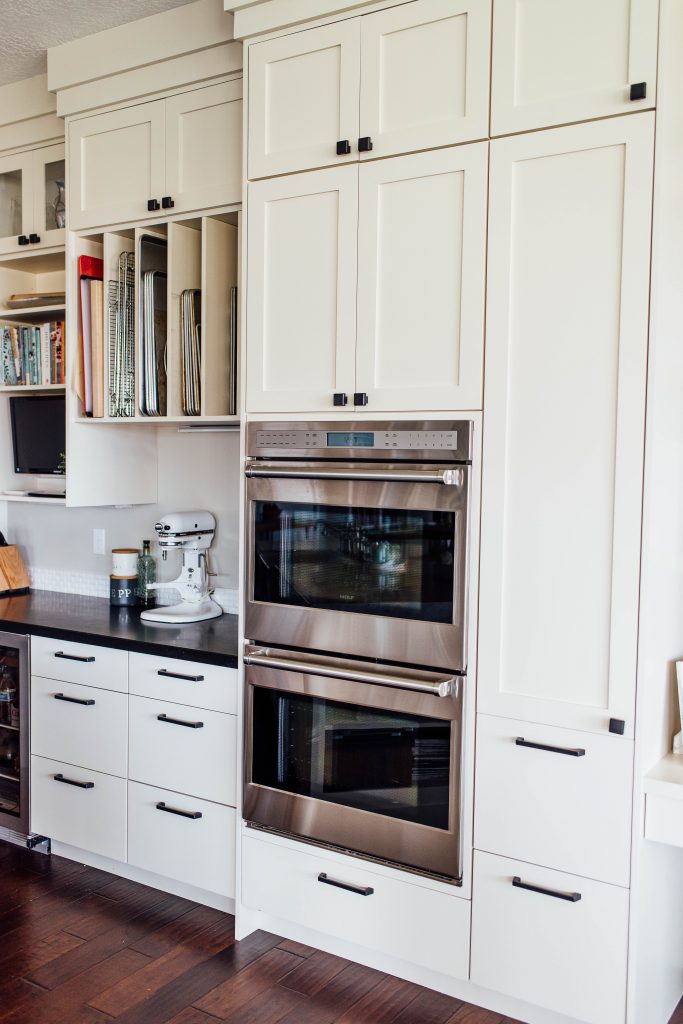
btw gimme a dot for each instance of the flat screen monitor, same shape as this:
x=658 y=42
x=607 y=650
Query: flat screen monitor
x=38 y=433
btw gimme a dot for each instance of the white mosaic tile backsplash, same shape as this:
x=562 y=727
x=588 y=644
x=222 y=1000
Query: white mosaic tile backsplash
x=92 y=584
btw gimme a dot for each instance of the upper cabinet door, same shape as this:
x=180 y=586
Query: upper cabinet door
x=116 y=165
x=421 y=273
x=566 y=359
x=204 y=147
x=425 y=75
x=301 y=298
x=303 y=99
x=49 y=195
x=557 y=61
x=16 y=202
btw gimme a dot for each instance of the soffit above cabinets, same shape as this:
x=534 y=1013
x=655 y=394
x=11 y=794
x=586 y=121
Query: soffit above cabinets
x=29 y=27
x=258 y=17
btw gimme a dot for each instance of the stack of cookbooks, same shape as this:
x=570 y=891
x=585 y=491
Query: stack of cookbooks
x=32 y=354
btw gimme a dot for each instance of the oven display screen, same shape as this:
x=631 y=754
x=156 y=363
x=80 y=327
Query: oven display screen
x=348 y=439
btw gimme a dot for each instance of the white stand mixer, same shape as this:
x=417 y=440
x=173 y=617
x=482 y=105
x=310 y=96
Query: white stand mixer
x=192 y=533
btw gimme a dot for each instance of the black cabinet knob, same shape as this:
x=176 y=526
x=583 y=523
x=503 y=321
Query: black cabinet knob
x=360 y=398
x=22 y=240
x=340 y=398
x=617 y=726
x=153 y=204
x=638 y=91
x=167 y=203
x=33 y=239
x=364 y=144
x=343 y=147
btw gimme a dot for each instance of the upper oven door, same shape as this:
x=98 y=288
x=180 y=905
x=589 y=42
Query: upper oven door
x=365 y=560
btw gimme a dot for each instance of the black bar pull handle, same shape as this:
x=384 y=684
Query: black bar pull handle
x=161 y=806
x=364 y=144
x=167 y=203
x=359 y=890
x=571 y=751
x=74 y=700
x=570 y=897
x=180 y=721
x=73 y=782
x=638 y=91
x=179 y=675
x=75 y=657
x=343 y=147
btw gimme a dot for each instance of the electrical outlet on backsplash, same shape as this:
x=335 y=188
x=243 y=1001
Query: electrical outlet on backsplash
x=96 y=584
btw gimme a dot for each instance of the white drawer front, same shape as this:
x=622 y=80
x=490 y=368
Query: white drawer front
x=184 y=682
x=402 y=919
x=190 y=750
x=549 y=807
x=197 y=850
x=80 y=725
x=566 y=956
x=104 y=667
x=93 y=819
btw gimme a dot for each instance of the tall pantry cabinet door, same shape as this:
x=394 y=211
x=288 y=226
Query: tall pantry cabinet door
x=303 y=99
x=570 y=60
x=204 y=147
x=301 y=292
x=421 y=273
x=566 y=351
x=444 y=97
x=116 y=164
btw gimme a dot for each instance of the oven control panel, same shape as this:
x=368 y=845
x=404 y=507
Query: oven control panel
x=450 y=440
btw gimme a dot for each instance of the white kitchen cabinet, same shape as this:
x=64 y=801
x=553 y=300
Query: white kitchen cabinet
x=424 y=75
x=570 y=60
x=563 y=947
x=301 y=298
x=28 y=191
x=204 y=147
x=181 y=153
x=184 y=682
x=369 y=281
x=554 y=796
x=303 y=99
x=116 y=164
x=421 y=275
x=72 y=662
x=348 y=83
x=566 y=351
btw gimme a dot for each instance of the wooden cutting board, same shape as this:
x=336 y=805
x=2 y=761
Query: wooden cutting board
x=13 y=572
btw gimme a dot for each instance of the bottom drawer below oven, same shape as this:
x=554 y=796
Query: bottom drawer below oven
x=407 y=919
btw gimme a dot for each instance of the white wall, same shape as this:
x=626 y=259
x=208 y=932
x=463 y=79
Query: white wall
x=196 y=471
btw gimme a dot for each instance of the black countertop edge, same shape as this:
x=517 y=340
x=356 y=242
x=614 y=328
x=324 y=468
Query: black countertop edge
x=92 y=621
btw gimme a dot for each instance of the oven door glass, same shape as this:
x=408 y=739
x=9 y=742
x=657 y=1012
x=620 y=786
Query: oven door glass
x=380 y=561
x=387 y=762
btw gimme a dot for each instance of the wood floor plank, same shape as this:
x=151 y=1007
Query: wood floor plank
x=99 y=914
x=269 y=1007
x=200 y=928
x=340 y=993
x=192 y=1016
x=227 y=998
x=298 y=948
x=467 y=1014
x=430 y=1008
x=383 y=1003
x=315 y=972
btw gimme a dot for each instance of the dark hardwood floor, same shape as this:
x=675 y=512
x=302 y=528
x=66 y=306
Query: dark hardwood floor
x=79 y=946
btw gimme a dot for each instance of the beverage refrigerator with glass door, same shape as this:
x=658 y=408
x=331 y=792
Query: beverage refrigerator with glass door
x=14 y=733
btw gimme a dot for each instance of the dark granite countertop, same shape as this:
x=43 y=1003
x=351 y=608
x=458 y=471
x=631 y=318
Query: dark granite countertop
x=93 y=620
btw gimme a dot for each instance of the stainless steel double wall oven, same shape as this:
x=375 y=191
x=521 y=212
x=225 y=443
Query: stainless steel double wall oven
x=357 y=558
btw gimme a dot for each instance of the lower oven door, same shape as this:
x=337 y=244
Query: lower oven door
x=344 y=753
x=369 y=562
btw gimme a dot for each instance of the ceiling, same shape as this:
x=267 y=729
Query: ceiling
x=29 y=27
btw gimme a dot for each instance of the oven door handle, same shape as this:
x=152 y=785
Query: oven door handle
x=447 y=475
x=446 y=687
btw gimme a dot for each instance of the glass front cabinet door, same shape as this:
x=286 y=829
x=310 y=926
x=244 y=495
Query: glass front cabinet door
x=32 y=200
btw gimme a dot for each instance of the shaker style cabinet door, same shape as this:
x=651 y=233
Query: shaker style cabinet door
x=116 y=164
x=425 y=75
x=566 y=351
x=204 y=147
x=16 y=202
x=557 y=61
x=303 y=99
x=421 y=273
x=301 y=297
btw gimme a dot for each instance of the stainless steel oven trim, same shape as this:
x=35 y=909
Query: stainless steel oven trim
x=449 y=476
x=417 y=846
x=442 y=645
